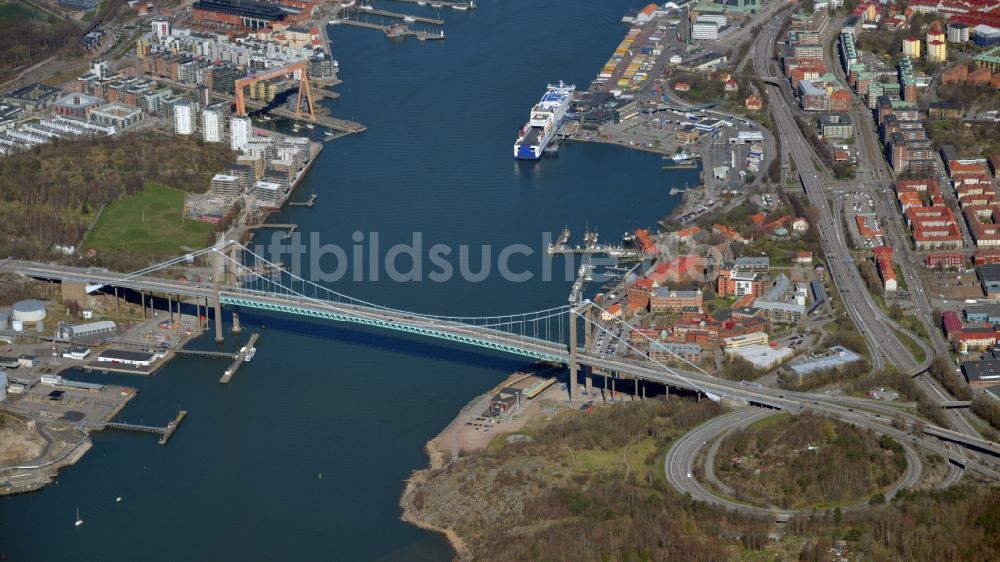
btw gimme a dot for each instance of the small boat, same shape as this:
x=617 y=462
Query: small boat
x=78 y=520
x=421 y=3
x=118 y=499
x=367 y=8
x=250 y=353
x=334 y=22
x=310 y=126
x=436 y=5
x=409 y=19
x=462 y=7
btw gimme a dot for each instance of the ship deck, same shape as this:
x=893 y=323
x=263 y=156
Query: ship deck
x=531 y=139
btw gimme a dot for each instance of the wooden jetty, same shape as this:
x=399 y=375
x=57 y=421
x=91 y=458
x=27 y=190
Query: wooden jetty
x=398 y=16
x=395 y=30
x=309 y=203
x=240 y=359
x=164 y=432
x=198 y=352
x=289 y=228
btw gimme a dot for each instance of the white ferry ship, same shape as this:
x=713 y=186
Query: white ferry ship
x=546 y=118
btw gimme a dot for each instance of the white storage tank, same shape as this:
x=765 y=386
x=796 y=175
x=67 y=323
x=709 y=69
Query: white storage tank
x=30 y=310
x=4 y=320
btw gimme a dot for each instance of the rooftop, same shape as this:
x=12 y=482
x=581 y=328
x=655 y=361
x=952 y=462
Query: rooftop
x=32 y=92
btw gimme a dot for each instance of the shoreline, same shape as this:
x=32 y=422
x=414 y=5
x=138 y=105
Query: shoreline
x=410 y=513
x=436 y=457
x=448 y=440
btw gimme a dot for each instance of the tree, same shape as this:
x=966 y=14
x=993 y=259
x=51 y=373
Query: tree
x=896 y=312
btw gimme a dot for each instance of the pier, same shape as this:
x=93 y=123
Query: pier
x=240 y=359
x=396 y=30
x=289 y=228
x=613 y=251
x=583 y=277
x=688 y=164
x=199 y=353
x=436 y=4
x=397 y=15
x=309 y=203
x=164 y=432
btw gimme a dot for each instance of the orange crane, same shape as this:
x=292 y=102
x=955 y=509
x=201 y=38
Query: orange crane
x=301 y=66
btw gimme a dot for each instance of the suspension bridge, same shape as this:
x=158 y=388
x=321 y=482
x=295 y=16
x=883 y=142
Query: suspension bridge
x=243 y=279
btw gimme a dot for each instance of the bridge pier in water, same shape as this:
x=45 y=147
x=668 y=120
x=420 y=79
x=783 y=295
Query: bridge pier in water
x=219 y=338
x=236 y=321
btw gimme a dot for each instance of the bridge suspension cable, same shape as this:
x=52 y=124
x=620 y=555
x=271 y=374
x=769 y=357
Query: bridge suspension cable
x=339 y=297
x=530 y=327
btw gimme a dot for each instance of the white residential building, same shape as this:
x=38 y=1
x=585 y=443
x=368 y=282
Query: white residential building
x=213 y=125
x=161 y=28
x=239 y=132
x=184 y=119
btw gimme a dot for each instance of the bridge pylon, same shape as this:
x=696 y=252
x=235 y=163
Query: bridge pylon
x=582 y=310
x=217 y=269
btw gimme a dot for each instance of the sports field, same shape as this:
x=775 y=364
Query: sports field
x=149 y=222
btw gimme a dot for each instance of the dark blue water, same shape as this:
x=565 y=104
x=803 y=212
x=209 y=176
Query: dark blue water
x=304 y=455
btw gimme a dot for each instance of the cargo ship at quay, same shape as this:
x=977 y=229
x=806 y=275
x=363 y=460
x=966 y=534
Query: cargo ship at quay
x=546 y=118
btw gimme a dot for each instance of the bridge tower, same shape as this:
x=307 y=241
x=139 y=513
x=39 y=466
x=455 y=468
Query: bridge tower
x=574 y=390
x=218 y=267
x=583 y=310
x=235 y=256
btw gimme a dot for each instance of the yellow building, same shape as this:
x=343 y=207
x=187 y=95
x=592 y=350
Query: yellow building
x=745 y=340
x=911 y=47
x=937 y=51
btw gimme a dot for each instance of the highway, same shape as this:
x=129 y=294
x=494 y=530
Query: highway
x=876 y=177
x=850 y=410
x=870 y=320
x=679 y=464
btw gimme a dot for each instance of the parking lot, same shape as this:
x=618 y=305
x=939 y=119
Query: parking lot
x=864 y=225
x=608 y=341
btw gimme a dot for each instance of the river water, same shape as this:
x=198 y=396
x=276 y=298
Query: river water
x=304 y=455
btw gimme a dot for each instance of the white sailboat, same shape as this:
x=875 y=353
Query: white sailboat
x=78 y=520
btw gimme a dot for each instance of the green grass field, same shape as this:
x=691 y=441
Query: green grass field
x=148 y=222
